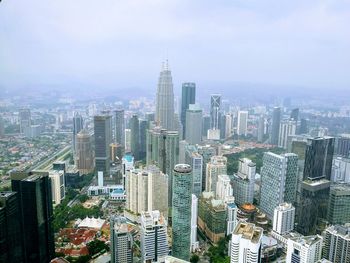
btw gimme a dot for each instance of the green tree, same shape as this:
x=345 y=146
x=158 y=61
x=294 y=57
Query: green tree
x=194 y=258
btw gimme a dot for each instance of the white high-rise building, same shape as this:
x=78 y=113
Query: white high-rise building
x=194 y=215
x=337 y=243
x=246 y=243
x=127 y=140
x=121 y=241
x=287 y=128
x=228 y=125
x=223 y=187
x=242 y=123
x=216 y=166
x=57 y=186
x=231 y=208
x=154 y=243
x=340 y=170
x=304 y=249
x=283 y=218
x=165 y=111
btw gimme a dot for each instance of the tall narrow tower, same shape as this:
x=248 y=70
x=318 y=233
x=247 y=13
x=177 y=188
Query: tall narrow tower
x=165 y=99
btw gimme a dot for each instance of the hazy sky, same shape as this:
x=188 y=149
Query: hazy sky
x=122 y=43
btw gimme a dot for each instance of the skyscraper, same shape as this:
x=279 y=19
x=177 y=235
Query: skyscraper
x=244 y=181
x=278 y=181
x=121 y=241
x=193 y=158
x=275 y=129
x=77 y=127
x=339 y=204
x=194 y=216
x=246 y=243
x=119 y=127
x=303 y=129
x=11 y=249
x=216 y=166
x=165 y=99
x=337 y=244
x=188 y=97
x=215 y=107
x=261 y=128
x=135 y=136
x=163 y=150
x=181 y=210
x=84 y=158
x=242 y=123
x=193 y=134
x=103 y=138
x=36 y=215
x=304 y=249
x=294 y=115
x=287 y=128
x=58 y=188
x=154 y=244
x=283 y=218
x=228 y=126
x=224 y=187
x=24 y=119
x=143 y=138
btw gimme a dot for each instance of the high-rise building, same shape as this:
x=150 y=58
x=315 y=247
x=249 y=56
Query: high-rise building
x=193 y=158
x=215 y=107
x=143 y=138
x=294 y=115
x=165 y=99
x=216 y=166
x=340 y=170
x=84 y=157
x=181 y=211
x=24 y=120
x=303 y=129
x=207 y=151
x=77 y=127
x=304 y=249
x=36 y=215
x=242 y=123
x=58 y=186
x=231 y=218
x=261 y=128
x=275 y=129
x=194 y=216
x=339 y=204
x=244 y=181
x=246 y=243
x=193 y=130
x=11 y=246
x=127 y=140
x=343 y=146
x=224 y=187
x=135 y=136
x=121 y=241
x=278 y=181
x=287 y=128
x=188 y=97
x=103 y=138
x=163 y=150
x=283 y=218
x=154 y=244
x=337 y=244
x=228 y=126
x=205 y=125
x=119 y=127
x=318 y=158
x=147 y=190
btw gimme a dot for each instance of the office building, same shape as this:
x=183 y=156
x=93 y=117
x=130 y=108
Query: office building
x=207 y=151
x=318 y=158
x=103 y=138
x=294 y=114
x=24 y=120
x=135 y=137
x=339 y=204
x=193 y=130
x=193 y=158
x=287 y=128
x=165 y=99
x=283 y=218
x=216 y=166
x=121 y=241
x=244 y=181
x=242 y=123
x=127 y=140
x=84 y=155
x=231 y=216
x=228 y=126
x=246 y=243
x=194 y=216
x=77 y=127
x=304 y=127
x=116 y=152
x=306 y=249
x=181 y=211
x=278 y=181
x=11 y=247
x=340 y=170
x=146 y=190
x=205 y=125
x=163 y=151
x=119 y=127
x=275 y=129
x=58 y=188
x=36 y=215
x=337 y=244
x=224 y=187
x=143 y=139
x=215 y=108
x=343 y=146
x=261 y=128
x=154 y=243
x=188 y=97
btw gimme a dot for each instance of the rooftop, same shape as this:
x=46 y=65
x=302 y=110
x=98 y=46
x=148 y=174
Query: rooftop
x=249 y=231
